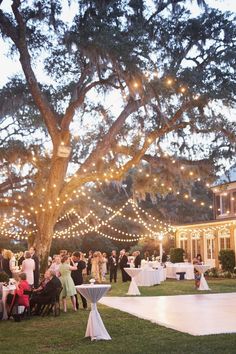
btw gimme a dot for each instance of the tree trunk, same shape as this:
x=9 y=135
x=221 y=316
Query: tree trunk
x=43 y=243
x=46 y=219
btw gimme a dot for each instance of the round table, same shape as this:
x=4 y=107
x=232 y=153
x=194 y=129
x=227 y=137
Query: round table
x=95 y=327
x=202 y=268
x=133 y=272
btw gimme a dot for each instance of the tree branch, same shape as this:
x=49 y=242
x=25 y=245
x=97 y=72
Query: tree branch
x=18 y=36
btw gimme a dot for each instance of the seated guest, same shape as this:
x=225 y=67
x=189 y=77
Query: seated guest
x=47 y=293
x=42 y=285
x=19 y=298
x=21 y=286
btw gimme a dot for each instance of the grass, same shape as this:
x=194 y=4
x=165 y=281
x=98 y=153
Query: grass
x=173 y=287
x=65 y=334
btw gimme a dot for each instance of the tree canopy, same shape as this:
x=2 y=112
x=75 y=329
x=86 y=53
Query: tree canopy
x=120 y=87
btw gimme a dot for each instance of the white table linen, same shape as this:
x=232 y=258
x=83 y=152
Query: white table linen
x=151 y=264
x=148 y=277
x=95 y=327
x=173 y=268
x=5 y=291
x=202 y=268
x=133 y=273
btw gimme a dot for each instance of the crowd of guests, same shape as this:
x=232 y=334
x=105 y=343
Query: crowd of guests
x=27 y=261
x=65 y=271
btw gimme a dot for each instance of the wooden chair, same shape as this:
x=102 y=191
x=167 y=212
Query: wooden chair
x=52 y=306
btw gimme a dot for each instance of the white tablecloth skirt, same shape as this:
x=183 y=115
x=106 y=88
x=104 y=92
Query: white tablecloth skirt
x=173 y=268
x=5 y=291
x=95 y=327
x=149 y=277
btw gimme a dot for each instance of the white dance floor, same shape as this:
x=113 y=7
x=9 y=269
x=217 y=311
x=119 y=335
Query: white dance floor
x=199 y=314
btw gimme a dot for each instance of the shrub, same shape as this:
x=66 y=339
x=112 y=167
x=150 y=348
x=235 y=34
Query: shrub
x=213 y=272
x=176 y=255
x=227 y=260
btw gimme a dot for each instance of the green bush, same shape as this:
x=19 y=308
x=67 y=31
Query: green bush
x=227 y=260
x=213 y=272
x=176 y=255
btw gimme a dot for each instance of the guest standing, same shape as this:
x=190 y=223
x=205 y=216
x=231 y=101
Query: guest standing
x=28 y=267
x=1 y=259
x=67 y=282
x=32 y=251
x=113 y=265
x=7 y=262
x=77 y=275
x=164 y=257
x=20 y=259
x=137 y=260
x=89 y=263
x=104 y=266
x=123 y=262
x=97 y=266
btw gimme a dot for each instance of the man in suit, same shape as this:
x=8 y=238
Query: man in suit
x=164 y=257
x=89 y=264
x=77 y=275
x=113 y=265
x=47 y=293
x=123 y=262
x=36 y=270
x=1 y=259
x=137 y=260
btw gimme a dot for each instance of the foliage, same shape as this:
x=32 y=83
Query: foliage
x=219 y=273
x=213 y=272
x=135 y=248
x=227 y=260
x=14 y=246
x=176 y=255
x=149 y=246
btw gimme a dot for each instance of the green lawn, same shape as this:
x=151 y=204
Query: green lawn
x=65 y=334
x=173 y=287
